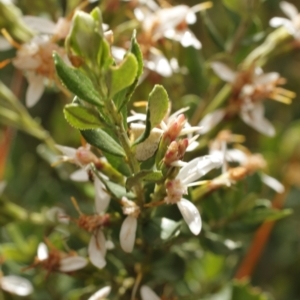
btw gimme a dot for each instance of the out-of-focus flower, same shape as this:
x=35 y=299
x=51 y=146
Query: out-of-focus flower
x=158 y=23
x=171 y=22
x=148 y=294
x=292 y=24
x=93 y=224
x=56 y=260
x=154 y=60
x=83 y=157
x=16 y=285
x=248 y=162
x=35 y=59
x=187 y=177
x=249 y=89
x=101 y=294
x=129 y=225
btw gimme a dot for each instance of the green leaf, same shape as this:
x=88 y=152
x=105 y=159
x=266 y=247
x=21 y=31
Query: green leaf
x=123 y=97
x=158 y=104
x=236 y=6
x=123 y=75
x=85 y=36
x=81 y=117
x=260 y=215
x=242 y=290
x=145 y=175
x=136 y=51
x=102 y=140
x=218 y=244
x=118 y=163
x=117 y=190
x=76 y=81
x=170 y=267
x=160 y=230
x=239 y=290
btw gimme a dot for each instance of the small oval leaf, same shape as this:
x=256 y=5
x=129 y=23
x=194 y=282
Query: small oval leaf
x=158 y=104
x=123 y=75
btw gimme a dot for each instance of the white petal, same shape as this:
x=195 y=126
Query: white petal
x=198 y=167
x=223 y=71
x=148 y=294
x=25 y=62
x=277 y=22
x=191 y=17
x=42 y=251
x=256 y=120
x=266 y=78
x=80 y=175
x=101 y=294
x=102 y=198
x=289 y=9
x=236 y=155
x=171 y=17
x=57 y=214
x=159 y=63
x=211 y=120
x=127 y=234
x=35 y=89
x=118 y=53
x=41 y=25
x=185 y=37
x=72 y=263
x=109 y=245
x=136 y=117
x=97 y=249
x=191 y=215
x=16 y=285
x=4 y=44
x=272 y=183
x=67 y=151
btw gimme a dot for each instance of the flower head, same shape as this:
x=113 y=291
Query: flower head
x=292 y=23
x=186 y=177
x=249 y=89
x=56 y=260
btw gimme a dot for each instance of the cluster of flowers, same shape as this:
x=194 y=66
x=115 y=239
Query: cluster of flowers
x=249 y=88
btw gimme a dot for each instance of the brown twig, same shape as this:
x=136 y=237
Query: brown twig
x=260 y=240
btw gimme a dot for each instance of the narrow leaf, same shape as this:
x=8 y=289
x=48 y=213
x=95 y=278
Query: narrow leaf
x=102 y=140
x=81 y=117
x=124 y=96
x=76 y=81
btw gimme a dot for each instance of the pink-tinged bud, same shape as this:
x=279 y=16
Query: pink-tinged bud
x=176 y=151
x=85 y=156
x=175 y=128
x=182 y=145
x=171 y=154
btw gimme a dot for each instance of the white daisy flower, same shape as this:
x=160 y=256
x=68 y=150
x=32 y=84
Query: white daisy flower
x=292 y=23
x=187 y=177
